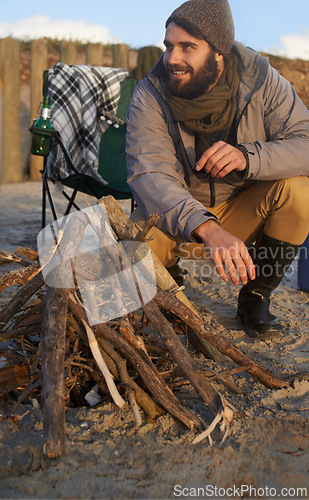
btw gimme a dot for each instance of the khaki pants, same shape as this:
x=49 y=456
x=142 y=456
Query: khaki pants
x=278 y=208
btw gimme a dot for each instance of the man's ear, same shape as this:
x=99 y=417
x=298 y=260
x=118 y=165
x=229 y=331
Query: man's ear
x=219 y=57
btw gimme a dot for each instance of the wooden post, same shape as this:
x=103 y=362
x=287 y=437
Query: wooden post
x=38 y=65
x=68 y=52
x=120 y=56
x=95 y=54
x=11 y=168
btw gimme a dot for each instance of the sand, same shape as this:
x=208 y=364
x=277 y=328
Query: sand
x=107 y=457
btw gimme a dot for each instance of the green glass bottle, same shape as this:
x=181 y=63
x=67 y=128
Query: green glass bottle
x=41 y=137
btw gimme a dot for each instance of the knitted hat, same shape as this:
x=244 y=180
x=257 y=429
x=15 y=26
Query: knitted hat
x=213 y=20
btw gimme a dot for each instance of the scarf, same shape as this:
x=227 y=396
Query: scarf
x=213 y=111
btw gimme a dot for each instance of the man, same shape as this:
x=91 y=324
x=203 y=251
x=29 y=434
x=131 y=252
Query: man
x=218 y=143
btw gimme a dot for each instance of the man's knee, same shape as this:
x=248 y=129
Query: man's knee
x=289 y=210
x=295 y=196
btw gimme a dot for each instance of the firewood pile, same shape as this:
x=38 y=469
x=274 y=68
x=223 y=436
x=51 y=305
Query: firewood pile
x=53 y=353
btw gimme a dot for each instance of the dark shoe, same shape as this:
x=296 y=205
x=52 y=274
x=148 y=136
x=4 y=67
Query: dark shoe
x=253 y=311
x=272 y=260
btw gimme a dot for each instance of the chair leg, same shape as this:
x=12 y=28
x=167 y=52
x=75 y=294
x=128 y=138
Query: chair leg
x=43 y=204
x=51 y=203
x=71 y=199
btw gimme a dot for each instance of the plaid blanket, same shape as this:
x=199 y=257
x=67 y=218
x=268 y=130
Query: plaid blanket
x=78 y=96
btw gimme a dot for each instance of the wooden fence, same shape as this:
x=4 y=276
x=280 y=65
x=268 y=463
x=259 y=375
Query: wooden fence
x=21 y=80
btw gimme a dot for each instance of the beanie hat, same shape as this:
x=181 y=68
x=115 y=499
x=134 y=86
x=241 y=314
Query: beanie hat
x=213 y=20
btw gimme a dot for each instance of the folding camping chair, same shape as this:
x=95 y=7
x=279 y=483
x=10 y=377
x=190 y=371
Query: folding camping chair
x=88 y=112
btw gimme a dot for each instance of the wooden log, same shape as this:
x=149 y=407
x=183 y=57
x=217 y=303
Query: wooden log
x=27 y=253
x=183 y=358
x=52 y=371
x=150 y=375
x=17 y=277
x=12 y=377
x=175 y=347
x=53 y=341
x=127 y=230
x=14 y=333
x=209 y=374
x=13 y=257
x=171 y=303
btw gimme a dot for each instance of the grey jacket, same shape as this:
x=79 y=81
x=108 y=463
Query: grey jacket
x=272 y=124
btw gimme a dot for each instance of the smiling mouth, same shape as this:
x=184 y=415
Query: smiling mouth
x=178 y=72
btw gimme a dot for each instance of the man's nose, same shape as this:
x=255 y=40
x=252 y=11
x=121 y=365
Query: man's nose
x=174 y=57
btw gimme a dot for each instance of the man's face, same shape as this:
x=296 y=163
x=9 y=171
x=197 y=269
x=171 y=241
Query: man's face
x=191 y=65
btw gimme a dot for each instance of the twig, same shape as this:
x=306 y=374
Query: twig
x=148 y=224
x=34 y=384
x=134 y=407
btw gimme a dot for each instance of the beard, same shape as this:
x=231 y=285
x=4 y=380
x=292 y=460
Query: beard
x=200 y=82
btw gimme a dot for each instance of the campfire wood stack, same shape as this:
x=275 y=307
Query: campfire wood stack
x=56 y=355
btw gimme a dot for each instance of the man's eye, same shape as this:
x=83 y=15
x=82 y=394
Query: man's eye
x=187 y=47
x=168 y=47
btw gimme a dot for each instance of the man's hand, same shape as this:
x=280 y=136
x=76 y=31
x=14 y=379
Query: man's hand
x=220 y=159
x=230 y=255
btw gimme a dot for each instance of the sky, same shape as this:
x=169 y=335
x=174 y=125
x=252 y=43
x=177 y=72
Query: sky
x=275 y=26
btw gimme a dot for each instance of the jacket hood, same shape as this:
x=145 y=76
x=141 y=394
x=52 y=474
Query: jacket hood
x=252 y=67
